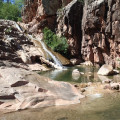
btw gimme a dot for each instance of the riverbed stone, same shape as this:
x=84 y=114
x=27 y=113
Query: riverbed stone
x=105 y=70
x=104 y=79
x=115 y=86
x=87 y=63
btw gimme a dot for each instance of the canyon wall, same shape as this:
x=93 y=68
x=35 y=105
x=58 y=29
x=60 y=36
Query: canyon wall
x=92 y=29
x=101 y=31
x=41 y=13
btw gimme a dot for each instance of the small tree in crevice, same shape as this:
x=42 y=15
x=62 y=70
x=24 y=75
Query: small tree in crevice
x=57 y=44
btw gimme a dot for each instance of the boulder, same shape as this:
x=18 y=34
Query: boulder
x=105 y=70
x=75 y=61
x=75 y=74
x=115 y=86
x=104 y=79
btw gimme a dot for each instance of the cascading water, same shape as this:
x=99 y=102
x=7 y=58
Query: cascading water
x=57 y=63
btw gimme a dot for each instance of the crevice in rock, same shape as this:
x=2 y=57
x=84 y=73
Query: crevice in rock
x=35 y=59
x=106 y=11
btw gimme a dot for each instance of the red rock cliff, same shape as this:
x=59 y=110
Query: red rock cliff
x=41 y=13
x=93 y=32
x=101 y=31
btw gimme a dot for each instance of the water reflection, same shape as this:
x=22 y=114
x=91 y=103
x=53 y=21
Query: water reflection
x=87 y=74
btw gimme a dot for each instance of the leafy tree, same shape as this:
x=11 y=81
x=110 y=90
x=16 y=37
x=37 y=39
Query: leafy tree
x=9 y=11
x=58 y=44
x=19 y=3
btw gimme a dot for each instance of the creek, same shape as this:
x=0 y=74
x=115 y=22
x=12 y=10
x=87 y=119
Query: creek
x=95 y=107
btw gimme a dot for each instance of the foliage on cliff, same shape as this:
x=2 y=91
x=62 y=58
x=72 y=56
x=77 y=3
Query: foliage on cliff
x=58 y=44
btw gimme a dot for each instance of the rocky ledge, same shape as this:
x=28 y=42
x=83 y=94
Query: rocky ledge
x=22 y=89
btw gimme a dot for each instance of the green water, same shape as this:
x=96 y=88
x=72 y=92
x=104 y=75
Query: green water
x=89 y=74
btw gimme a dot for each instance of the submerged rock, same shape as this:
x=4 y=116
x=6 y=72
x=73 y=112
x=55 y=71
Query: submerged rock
x=75 y=74
x=115 y=86
x=104 y=79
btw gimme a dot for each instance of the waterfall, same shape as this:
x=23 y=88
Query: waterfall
x=57 y=63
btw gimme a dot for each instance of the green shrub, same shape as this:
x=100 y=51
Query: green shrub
x=57 y=44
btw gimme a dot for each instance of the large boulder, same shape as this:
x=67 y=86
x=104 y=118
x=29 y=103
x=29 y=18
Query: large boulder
x=87 y=63
x=107 y=70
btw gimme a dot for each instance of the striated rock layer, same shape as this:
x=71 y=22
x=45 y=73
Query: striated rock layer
x=101 y=31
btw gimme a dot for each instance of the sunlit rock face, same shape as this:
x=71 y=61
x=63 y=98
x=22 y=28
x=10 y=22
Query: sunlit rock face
x=101 y=31
x=41 y=13
x=15 y=46
x=23 y=89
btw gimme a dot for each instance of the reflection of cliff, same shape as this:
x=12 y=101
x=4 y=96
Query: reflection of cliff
x=92 y=30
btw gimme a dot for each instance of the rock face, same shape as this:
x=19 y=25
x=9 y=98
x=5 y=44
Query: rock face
x=101 y=31
x=15 y=45
x=23 y=89
x=41 y=13
x=69 y=25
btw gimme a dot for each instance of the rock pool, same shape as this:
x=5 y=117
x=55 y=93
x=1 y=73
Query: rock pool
x=105 y=106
